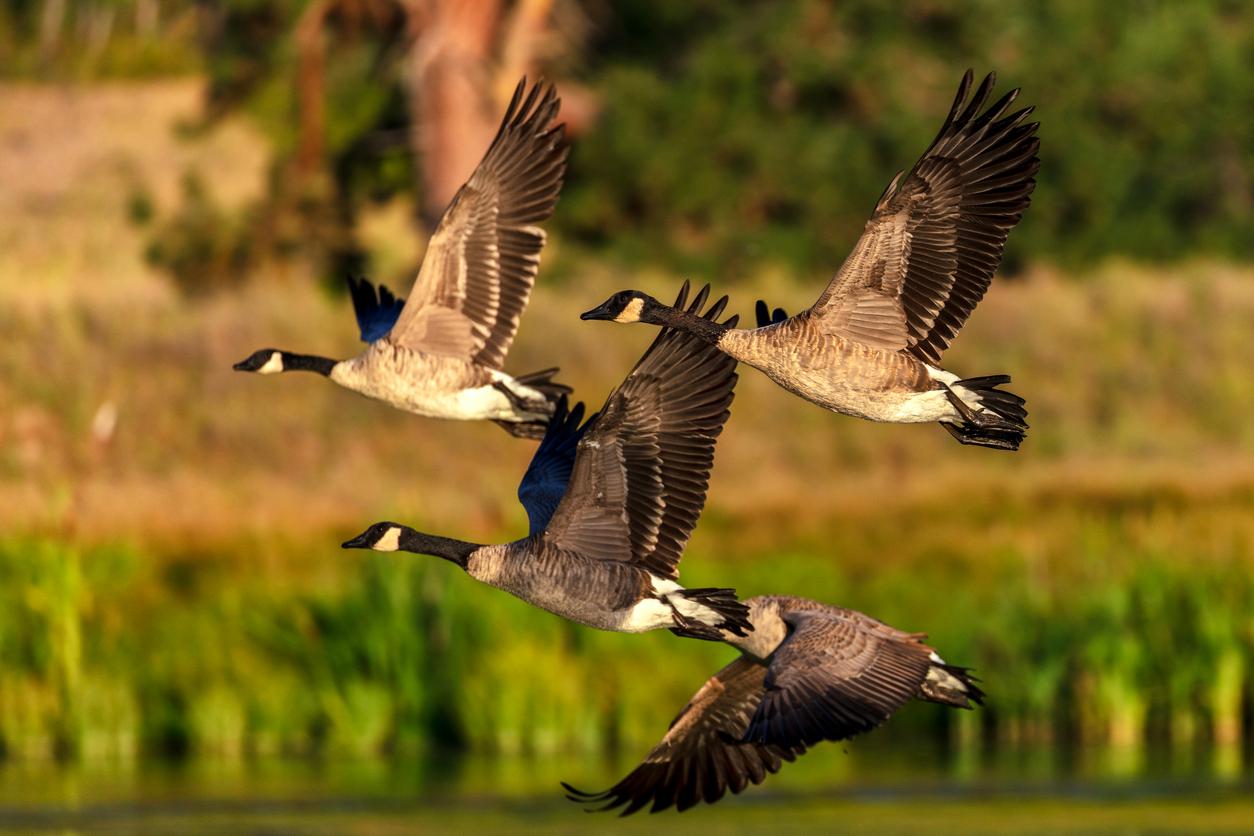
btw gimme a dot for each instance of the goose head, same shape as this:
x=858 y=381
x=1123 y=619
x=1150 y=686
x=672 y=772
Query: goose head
x=383 y=537
x=264 y=361
x=394 y=537
x=627 y=306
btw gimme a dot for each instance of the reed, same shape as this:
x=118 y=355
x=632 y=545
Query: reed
x=1129 y=626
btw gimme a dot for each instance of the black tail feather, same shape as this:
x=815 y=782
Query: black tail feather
x=962 y=697
x=542 y=381
x=1001 y=424
x=734 y=614
x=533 y=430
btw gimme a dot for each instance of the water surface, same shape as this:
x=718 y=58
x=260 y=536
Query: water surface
x=860 y=788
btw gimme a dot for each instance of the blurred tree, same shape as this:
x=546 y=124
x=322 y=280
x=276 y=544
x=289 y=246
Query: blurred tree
x=57 y=39
x=352 y=93
x=736 y=135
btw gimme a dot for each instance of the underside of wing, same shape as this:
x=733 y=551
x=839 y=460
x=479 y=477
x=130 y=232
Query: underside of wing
x=481 y=263
x=547 y=476
x=701 y=757
x=641 y=472
x=937 y=234
x=376 y=311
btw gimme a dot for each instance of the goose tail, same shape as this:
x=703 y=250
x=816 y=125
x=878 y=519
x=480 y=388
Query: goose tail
x=950 y=685
x=543 y=382
x=708 y=613
x=532 y=421
x=999 y=422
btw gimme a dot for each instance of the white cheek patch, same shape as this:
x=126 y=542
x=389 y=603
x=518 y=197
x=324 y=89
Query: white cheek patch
x=272 y=366
x=389 y=542
x=631 y=313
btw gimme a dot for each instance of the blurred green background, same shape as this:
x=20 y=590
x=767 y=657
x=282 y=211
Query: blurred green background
x=184 y=182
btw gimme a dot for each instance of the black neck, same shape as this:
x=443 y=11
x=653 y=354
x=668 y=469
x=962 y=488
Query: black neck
x=454 y=551
x=706 y=329
x=307 y=363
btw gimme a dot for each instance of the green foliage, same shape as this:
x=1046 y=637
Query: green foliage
x=738 y=135
x=97 y=39
x=252 y=63
x=735 y=134
x=1121 y=625
x=202 y=246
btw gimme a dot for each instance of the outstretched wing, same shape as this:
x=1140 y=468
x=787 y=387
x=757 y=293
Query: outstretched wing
x=376 y=312
x=482 y=260
x=838 y=673
x=936 y=236
x=546 y=478
x=765 y=316
x=702 y=756
x=641 y=472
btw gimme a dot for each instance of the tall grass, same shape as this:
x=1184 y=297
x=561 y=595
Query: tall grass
x=1123 y=624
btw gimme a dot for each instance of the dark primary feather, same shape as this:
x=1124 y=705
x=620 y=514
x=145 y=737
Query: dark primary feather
x=376 y=312
x=481 y=263
x=937 y=234
x=641 y=472
x=701 y=758
x=546 y=478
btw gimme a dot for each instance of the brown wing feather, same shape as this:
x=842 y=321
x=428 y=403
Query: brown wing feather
x=838 y=673
x=937 y=234
x=702 y=756
x=642 y=469
x=481 y=262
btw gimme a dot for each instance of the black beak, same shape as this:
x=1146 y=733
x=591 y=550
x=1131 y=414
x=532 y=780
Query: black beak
x=241 y=366
x=358 y=542
x=602 y=311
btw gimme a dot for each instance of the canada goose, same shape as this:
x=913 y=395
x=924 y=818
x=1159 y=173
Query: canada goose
x=808 y=672
x=441 y=353
x=604 y=549
x=870 y=345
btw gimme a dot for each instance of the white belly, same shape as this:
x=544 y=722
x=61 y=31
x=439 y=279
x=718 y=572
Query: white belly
x=483 y=402
x=649 y=614
x=921 y=408
x=431 y=385
x=653 y=613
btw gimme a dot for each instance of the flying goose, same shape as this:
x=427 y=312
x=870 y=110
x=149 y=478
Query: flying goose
x=807 y=672
x=870 y=346
x=441 y=353
x=604 y=549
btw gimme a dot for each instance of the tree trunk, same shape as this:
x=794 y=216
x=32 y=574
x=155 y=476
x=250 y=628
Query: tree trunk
x=449 y=86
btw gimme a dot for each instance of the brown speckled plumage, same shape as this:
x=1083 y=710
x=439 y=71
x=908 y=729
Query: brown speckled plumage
x=613 y=502
x=444 y=355
x=808 y=672
x=870 y=344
